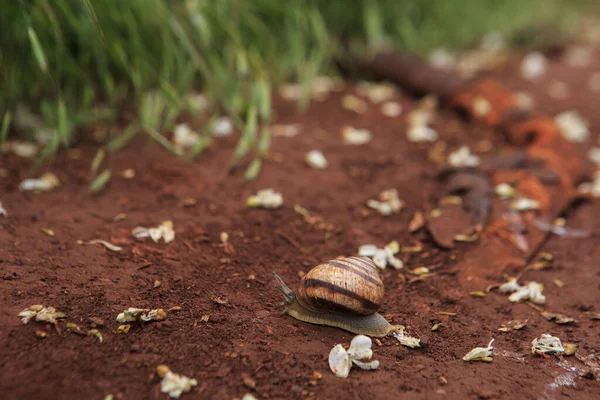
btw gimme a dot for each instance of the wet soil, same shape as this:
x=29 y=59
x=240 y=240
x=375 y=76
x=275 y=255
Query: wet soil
x=229 y=333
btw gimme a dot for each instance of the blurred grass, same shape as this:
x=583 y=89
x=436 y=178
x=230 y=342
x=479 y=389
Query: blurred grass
x=66 y=64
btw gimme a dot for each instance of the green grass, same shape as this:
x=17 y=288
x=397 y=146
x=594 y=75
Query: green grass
x=132 y=63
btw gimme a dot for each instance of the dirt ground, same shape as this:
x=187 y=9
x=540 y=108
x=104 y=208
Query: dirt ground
x=245 y=346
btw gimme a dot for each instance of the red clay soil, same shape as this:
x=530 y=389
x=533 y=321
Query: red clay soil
x=246 y=346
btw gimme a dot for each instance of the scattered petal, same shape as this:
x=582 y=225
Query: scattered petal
x=578 y=56
x=532 y=292
x=315 y=159
x=3 y=210
x=382 y=257
x=174 y=384
x=164 y=231
x=356 y=136
x=505 y=191
x=441 y=59
x=359 y=353
x=391 y=109
x=223 y=127
x=480 y=353
x=422 y=133
x=185 y=137
x=285 y=130
x=41 y=314
x=524 y=204
x=389 y=203
x=339 y=361
x=353 y=103
x=129 y=173
x=463 y=158
x=376 y=92
x=481 y=107
x=406 y=340
x=21 y=149
x=594 y=155
x=572 y=126
x=197 y=102
x=267 y=198
x=45 y=183
x=360 y=348
x=547 y=344
x=509 y=287
x=533 y=66
x=138 y=314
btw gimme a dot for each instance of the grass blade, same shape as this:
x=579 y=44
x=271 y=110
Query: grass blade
x=120 y=142
x=5 y=126
x=97 y=161
x=100 y=182
x=253 y=169
x=37 y=50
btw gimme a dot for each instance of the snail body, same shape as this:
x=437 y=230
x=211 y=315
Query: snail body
x=345 y=293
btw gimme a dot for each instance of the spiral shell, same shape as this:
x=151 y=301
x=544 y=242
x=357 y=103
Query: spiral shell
x=345 y=285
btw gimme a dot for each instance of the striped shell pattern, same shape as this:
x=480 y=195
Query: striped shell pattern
x=344 y=285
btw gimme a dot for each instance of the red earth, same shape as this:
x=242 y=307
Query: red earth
x=229 y=334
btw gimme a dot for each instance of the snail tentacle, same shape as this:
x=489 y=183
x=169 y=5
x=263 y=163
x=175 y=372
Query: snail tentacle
x=288 y=293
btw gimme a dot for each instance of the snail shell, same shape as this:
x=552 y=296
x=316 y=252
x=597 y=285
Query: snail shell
x=342 y=286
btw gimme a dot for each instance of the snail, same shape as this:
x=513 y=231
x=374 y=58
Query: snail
x=345 y=293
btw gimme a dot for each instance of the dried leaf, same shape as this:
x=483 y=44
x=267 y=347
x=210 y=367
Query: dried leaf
x=417 y=222
x=96 y=333
x=560 y=319
x=513 y=325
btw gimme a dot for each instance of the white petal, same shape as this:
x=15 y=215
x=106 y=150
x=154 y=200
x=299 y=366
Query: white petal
x=380 y=258
x=422 y=133
x=168 y=234
x=339 y=361
x=140 y=232
x=547 y=344
x=360 y=347
x=155 y=233
x=480 y=353
x=315 y=159
x=533 y=66
x=175 y=384
x=223 y=127
x=356 y=136
x=510 y=286
x=366 y=365
x=572 y=126
x=395 y=261
x=367 y=250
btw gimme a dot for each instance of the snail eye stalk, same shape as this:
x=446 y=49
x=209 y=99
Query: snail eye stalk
x=288 y=293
